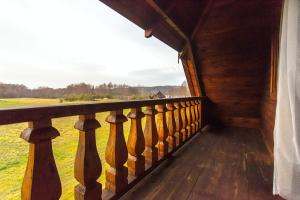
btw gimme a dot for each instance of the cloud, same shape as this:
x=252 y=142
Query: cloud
x=54 y=43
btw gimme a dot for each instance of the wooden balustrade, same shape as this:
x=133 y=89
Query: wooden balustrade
x=169 y=123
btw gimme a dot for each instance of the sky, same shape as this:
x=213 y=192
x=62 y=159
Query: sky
x=60 y=42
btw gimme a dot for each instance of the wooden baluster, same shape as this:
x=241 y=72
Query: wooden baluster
x=41 y=180
x=162 y=130
x=178 y=121
x=195 y=116
x=193 y=125
x=87 y=167
x=184 y=131
x=136 y=143
x=116 y=153
x=200 y=113
x=171 y=127
x=188 y=119
x=151 y=136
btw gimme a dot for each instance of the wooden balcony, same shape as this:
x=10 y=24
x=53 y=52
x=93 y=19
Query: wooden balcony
x=227 y=164
x=170 y=123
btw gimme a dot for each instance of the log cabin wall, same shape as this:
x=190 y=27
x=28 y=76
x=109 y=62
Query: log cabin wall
x=268 y=103
x=232 y=48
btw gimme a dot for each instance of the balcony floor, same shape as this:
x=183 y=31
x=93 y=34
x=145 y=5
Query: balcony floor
x=228 y=164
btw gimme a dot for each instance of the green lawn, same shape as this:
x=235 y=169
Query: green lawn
x=14 y=150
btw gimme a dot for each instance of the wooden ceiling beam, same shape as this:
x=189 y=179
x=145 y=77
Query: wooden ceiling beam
x=166 y=18
x=202 y=18
x=188 y=61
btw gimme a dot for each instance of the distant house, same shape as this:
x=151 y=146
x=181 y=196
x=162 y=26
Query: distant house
x=157 y=95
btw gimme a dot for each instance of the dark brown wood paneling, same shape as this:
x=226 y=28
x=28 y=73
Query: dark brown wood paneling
x=268 y=103
x=232 y=51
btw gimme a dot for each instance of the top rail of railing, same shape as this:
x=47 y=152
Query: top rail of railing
x=26 y=114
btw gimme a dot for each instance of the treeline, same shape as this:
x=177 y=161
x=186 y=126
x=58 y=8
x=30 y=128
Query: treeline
x=83 y=91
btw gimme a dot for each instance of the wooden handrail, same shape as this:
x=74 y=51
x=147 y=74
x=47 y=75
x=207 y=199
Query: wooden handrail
x=169 y=124
x=21 y=114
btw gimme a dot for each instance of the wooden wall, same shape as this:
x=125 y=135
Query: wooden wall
x=268 y=108
x=268 y=103
x=232 y=52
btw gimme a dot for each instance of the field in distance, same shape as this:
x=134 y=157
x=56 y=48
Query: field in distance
x=14 y=150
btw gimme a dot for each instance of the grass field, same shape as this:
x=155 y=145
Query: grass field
x=14 y=150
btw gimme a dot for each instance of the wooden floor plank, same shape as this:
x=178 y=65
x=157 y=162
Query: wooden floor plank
x=229 y=164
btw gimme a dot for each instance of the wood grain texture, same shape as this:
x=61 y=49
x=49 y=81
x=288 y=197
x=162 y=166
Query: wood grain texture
x=171 y=127
x=87 y=166
x=269 y=100
x=193 y=118
x=178 y=121
x=41 y=171
x=231 y=164
x=184 y=130
x=136 y=143
x=188 y=119
x=151 y=136
x=116 y=154
x=232 y=49
x=162 y=129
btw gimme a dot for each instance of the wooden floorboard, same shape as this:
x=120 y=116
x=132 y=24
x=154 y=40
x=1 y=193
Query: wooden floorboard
x=228 y=164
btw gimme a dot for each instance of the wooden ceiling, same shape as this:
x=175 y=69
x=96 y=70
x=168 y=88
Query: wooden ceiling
x=228 y=43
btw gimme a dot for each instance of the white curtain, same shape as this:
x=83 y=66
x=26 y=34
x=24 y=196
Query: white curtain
x=287 y=122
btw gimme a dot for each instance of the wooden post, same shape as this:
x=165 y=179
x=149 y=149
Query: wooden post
x=171 y=127
x=116 y=153
x=188 y=119
x=178 y=121
x=193 y=125
x=200 y=114
x=162 y=130
x=184 y=130
x=136 y=143
x=151 y=136
x=87 y=167
x=196 y=115
x=41 y=180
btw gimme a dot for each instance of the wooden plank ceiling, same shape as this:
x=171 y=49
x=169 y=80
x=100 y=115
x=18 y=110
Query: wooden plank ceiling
x=228 y=42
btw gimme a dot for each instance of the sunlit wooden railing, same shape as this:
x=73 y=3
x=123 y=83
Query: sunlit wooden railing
x=169 y=124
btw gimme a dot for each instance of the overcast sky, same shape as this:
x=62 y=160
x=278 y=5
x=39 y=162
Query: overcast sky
x=58 y=42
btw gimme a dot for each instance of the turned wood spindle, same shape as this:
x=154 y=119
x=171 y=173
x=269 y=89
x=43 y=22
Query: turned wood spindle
x=171 y=127
x=184 y=130
x=193 y=125
x=178 y=122
x=151 y=136
x=136 y=143
x=116 y=153
x=41 y=180
x=200 y=114
x=87 y=167
x=188 y=119
x=196 y=116
x=162 y=130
